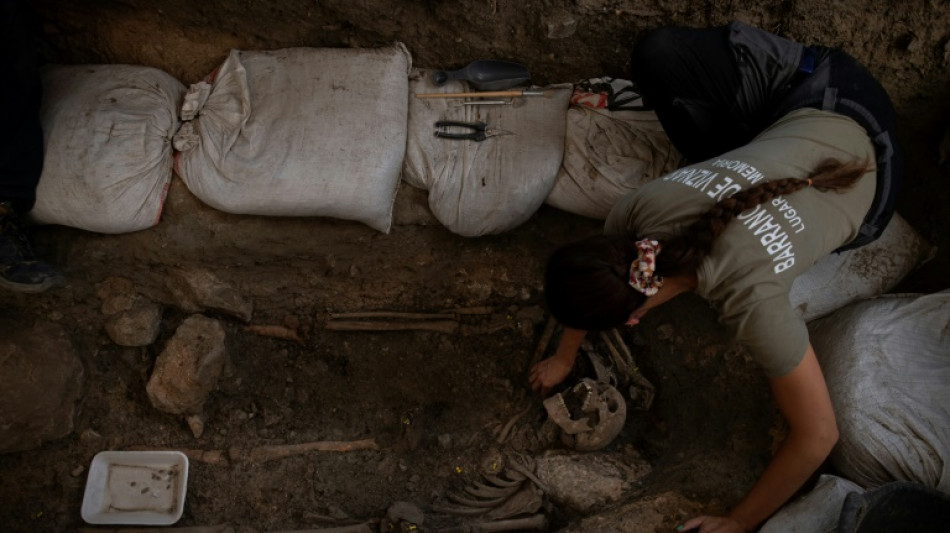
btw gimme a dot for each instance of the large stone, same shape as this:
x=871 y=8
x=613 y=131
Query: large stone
x=188 y=368
x=41 y=380
x=585 y=481
x=137 y=326
x=196 y=290
x=662 y=512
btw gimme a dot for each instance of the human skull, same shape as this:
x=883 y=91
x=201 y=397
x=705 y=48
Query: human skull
x=590 y=415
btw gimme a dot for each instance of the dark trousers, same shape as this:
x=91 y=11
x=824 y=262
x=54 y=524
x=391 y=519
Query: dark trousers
x=21 y=137
x=689 y=78
x=714 y=89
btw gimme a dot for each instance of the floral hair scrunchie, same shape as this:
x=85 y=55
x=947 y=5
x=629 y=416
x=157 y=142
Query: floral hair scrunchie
x=643 y=270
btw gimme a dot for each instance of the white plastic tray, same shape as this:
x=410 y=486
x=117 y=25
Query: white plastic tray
x=146 y=487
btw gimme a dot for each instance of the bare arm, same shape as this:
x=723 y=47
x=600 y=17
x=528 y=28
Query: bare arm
x=803 y=399
x=551 y=371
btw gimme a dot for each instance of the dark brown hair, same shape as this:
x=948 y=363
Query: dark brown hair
x=585 y=282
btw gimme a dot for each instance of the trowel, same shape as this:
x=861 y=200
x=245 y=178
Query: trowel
x=486 y=75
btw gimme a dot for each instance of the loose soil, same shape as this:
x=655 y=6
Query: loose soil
x=434 y=402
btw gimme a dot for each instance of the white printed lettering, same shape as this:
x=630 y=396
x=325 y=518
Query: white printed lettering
x=767 y=226
x=723 y=189
x=782 y=267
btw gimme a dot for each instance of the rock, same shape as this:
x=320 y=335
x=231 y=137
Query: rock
x=583 y=481
x=560 y=25
x=132 y=319
x=188 y=368
x=196 y=290
x=41 y=380
x=445 y=441
x=402 y=516
x=136 y=326
x=196 y=423
x=116 y=294
x=656 y=513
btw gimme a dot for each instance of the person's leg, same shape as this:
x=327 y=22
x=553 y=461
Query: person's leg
x=21 y=137
x=21 y=151
x=690 y=79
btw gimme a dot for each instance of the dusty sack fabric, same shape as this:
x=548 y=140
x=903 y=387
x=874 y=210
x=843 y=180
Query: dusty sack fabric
x=487 y=187
x=299 y=132
x=887 y=364
x=607 y=154
x=816 y=511
x=108 y=150
x=839 y=279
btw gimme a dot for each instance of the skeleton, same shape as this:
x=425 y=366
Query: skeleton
x=590 y=415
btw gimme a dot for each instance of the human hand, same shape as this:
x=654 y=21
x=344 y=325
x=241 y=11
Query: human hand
x=548 y=373
x=712 y=524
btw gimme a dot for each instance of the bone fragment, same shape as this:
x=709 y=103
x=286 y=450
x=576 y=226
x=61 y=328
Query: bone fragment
x=263 y=454
x=196 y=529
x=518 y=467
x=526 y=501
x=442 y=326
x=642 y=392
x=211 y=457
x=393 y=315
x=625 y=350
x=499 y=481
x=543 y=343
x=625 y=369
x=503 y=436
x=485 y=491
x=481 y=504
x=272 y=330
x=471 y=310
x=537 y=522
x=355 y=528
x=458 y=510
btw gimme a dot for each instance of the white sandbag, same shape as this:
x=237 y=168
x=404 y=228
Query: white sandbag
x=108 y=150
x=887 y=365
x=299 y=132
x=606 y=155
x=839 y=279
x=815 y=512
x=487 y=187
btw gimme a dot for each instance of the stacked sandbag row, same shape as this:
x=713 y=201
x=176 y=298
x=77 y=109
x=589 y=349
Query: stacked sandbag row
x=293 y=132
x=330 y=132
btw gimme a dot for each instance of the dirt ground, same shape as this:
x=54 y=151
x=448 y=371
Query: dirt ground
x=434 y=402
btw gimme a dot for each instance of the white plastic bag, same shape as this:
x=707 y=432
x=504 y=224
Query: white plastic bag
x=887 y=365
x=299 y=132
x=487 y=187
x=606 y=155
x=873 y=269
x=108 y=150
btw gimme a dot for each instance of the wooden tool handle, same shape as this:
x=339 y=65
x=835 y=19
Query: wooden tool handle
x=486 y=94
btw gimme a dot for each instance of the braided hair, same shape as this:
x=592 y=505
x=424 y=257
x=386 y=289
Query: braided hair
x=586 y=282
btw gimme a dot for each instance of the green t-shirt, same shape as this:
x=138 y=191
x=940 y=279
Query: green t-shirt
x=753 y=263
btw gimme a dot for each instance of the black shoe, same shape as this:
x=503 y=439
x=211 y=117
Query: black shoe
x=19 y=269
